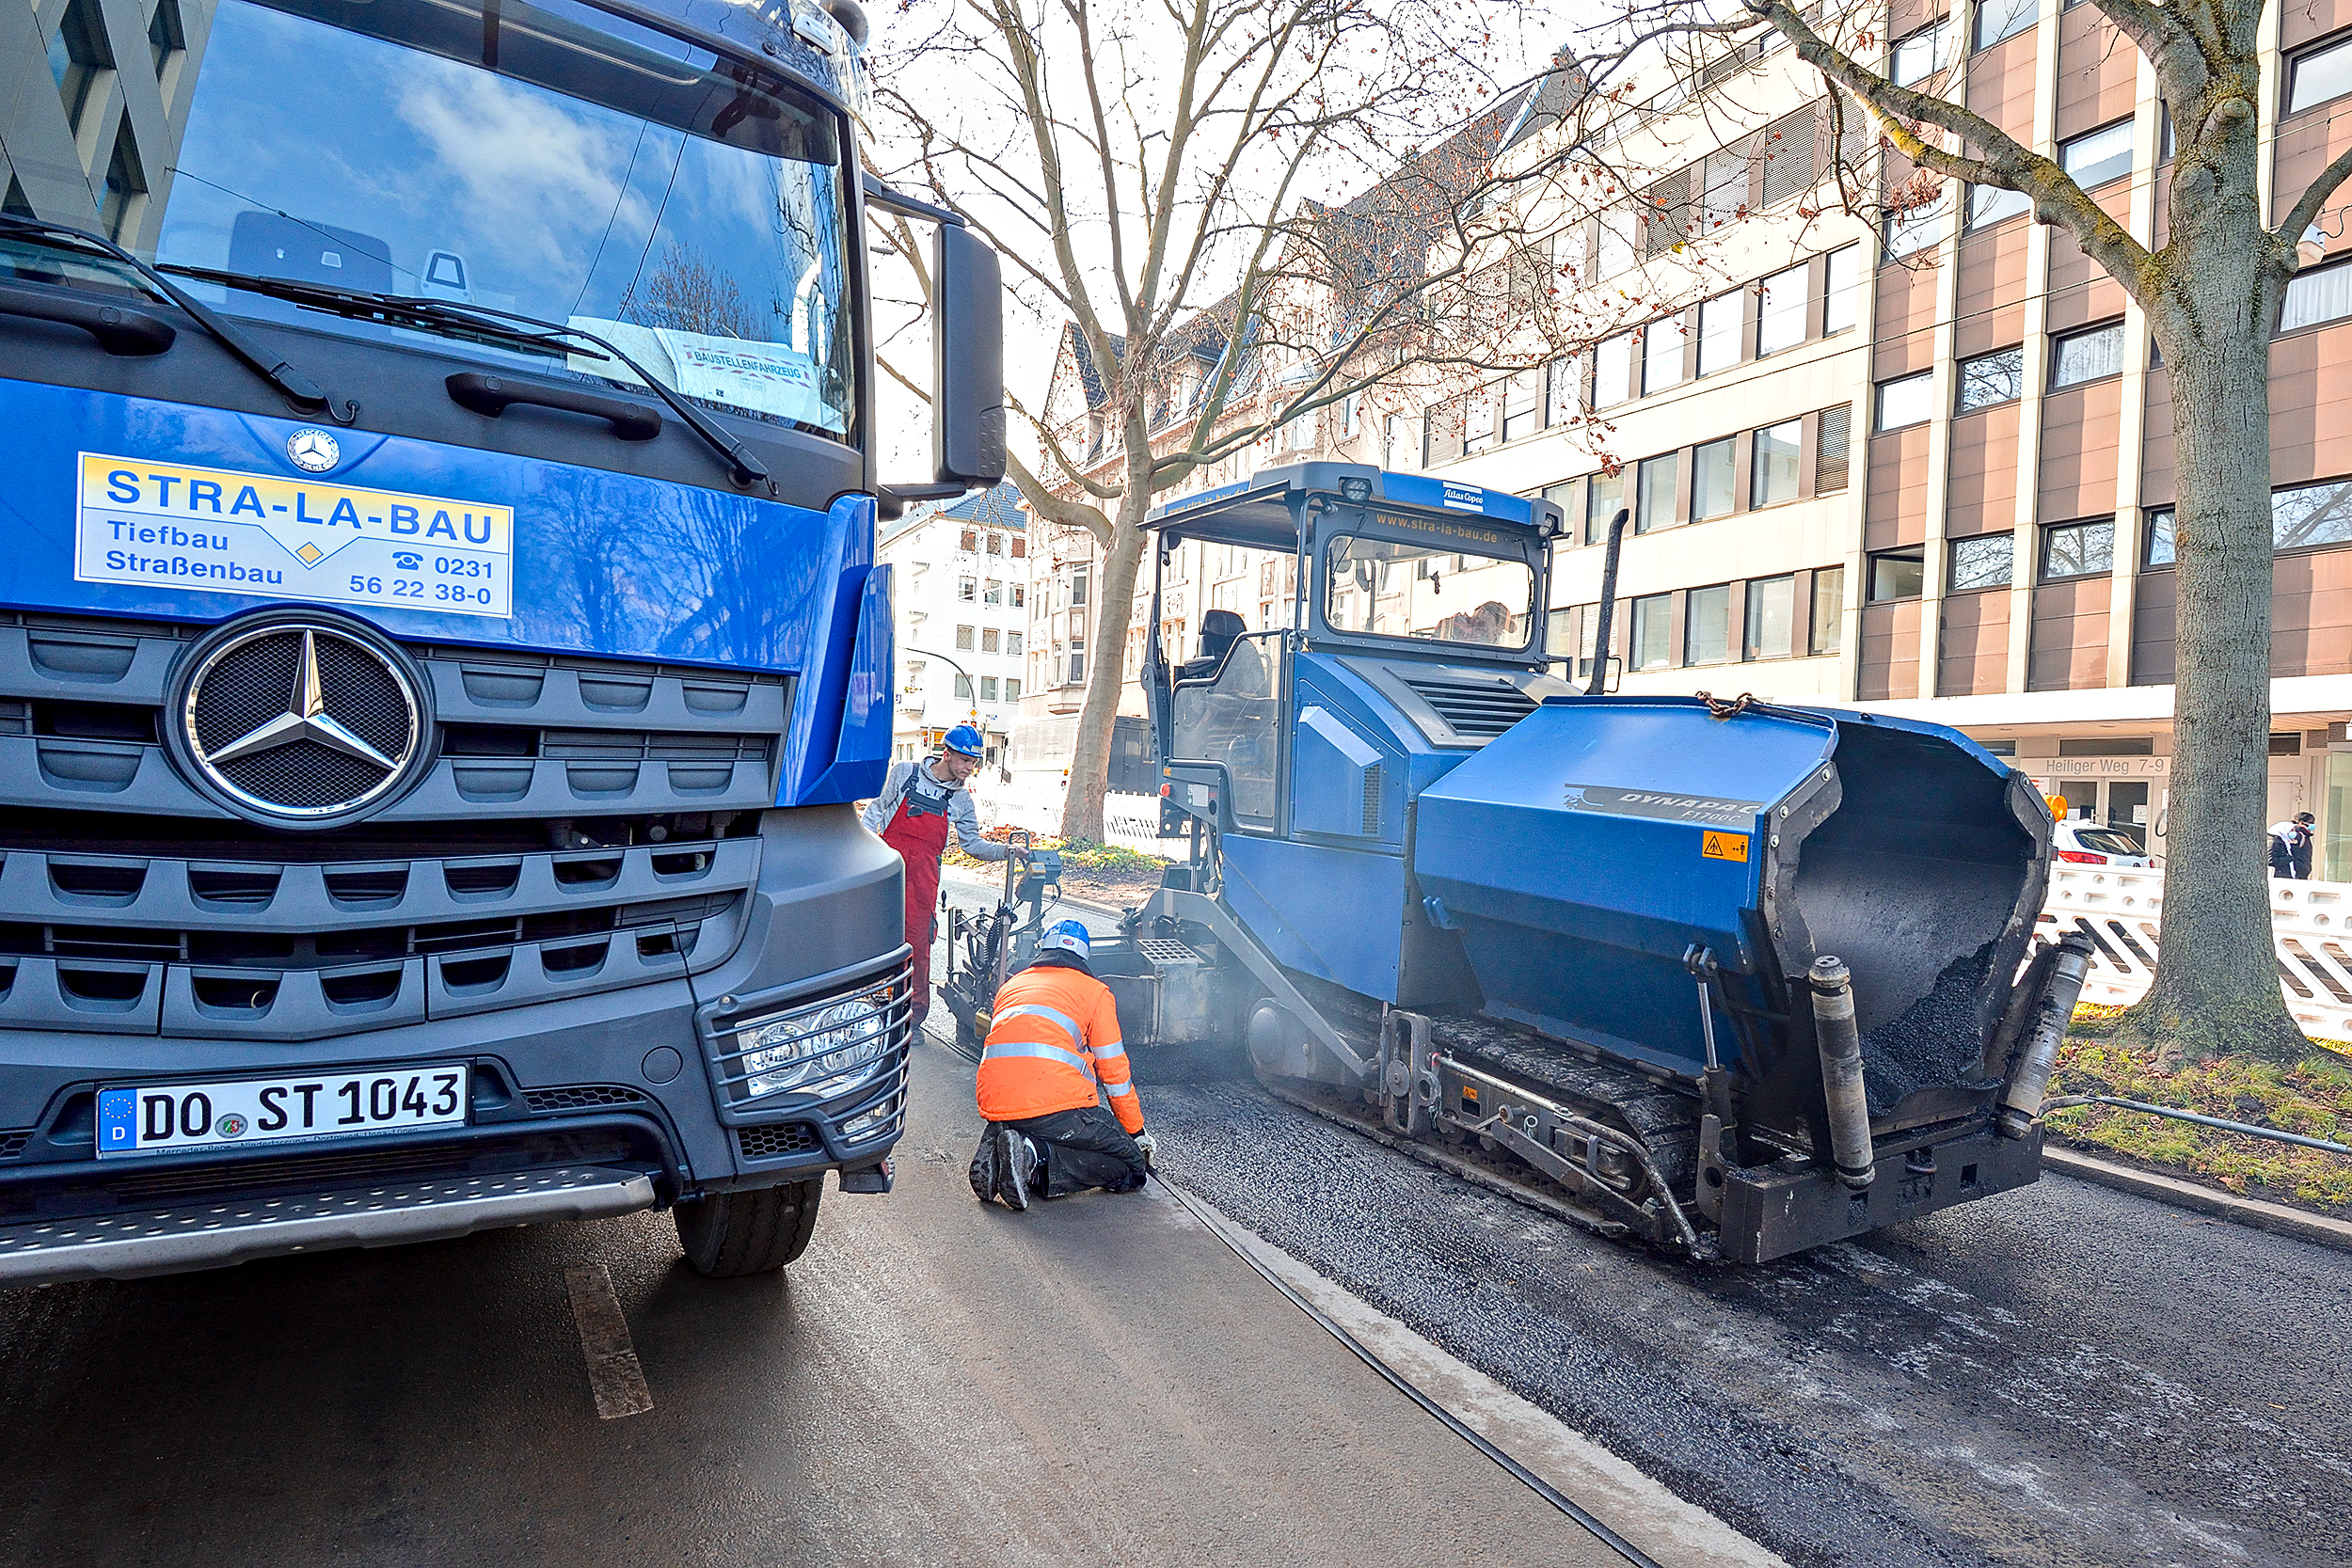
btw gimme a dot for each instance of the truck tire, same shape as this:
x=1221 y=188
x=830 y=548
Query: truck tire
x=729 y=1235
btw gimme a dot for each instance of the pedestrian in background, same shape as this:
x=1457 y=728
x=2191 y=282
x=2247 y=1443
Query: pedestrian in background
x=1053 y=1056
x=919 y=800
x=2308 y=826
x=2291 y=847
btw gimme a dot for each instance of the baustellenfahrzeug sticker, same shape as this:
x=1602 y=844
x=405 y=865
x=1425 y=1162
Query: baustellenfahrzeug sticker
x=157 y=524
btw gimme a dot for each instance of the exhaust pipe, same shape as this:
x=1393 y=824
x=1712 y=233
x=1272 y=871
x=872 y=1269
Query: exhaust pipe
x=1838 y=1041
x=2021 y=1097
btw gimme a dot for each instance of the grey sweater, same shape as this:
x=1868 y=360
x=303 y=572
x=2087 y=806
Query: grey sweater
x=937 y=794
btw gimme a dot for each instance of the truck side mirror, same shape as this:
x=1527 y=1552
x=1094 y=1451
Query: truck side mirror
x=967 y=360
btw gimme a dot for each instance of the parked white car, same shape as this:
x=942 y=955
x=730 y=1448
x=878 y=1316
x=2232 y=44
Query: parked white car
x=2086 y=843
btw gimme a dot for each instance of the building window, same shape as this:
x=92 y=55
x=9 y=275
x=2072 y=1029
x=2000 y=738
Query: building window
x=2157 y=543
x=1707 y=625
x=1012 y=644
x=1603 y=496
x=988 y=689
x=165 y=35
x=964 y=638
x=2319 y=75
x=1020 y=596
x=1719 y=332
x=1560 y=632
x=1898 y=573
x=2077 y=551
x=1991 y=204
x=968 y=541
x=1020 y=547
x=125 y=186
x=1780 y=311
x=1773 y=469
x=1478 y=424
x=1906 y=402
x=1013 y=689
x=1787 y=146
x=1921 y=229
x=1078 y=588
x=1771 y=628
x=1831 y=450
x=1841 y=300
x=2311 y=514
x=1077 y=669
x=2086 y=355
x=1711 y=480
x=968 y=589
x=1398 y=435
x=2098 y=156
x=994 y=593
x=2313 y=297
x=1829 y=610
x=996 y=544
x=2000 y=19
x=1984 y=561
x=1991 y=378
x=1661 y=355
x=1651 y=644
x=1523 y=404
x=78 y=57
x=988 y=640
x=1723 y=186
x=964 y=688
x=1616 y=252
x=1921 y=55
x=1654 y=499
x=1613 y=371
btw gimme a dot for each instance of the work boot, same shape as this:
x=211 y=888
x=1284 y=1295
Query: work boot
x=1016 y=1165
x=984 y=1165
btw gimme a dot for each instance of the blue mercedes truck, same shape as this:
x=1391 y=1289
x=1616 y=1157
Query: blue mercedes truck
x=441 y=637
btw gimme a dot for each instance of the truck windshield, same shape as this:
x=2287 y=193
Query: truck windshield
x=1390 y=588
x=540 y=158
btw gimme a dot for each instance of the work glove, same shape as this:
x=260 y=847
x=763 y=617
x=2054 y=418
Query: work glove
x=1151 y=1148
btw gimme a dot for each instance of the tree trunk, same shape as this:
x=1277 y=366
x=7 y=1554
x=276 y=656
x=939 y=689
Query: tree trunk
x=1113 y=606
x=2217 y=981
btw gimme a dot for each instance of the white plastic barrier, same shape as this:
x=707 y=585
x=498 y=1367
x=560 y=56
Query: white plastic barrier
x=1133 y=822
x=2123 y=911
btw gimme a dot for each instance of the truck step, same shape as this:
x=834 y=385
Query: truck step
x=127 y=1245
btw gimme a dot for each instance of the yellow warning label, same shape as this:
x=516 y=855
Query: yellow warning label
x=1724 y=847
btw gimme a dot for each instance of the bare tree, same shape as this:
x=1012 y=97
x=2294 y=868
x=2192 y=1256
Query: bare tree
x=1162 y=177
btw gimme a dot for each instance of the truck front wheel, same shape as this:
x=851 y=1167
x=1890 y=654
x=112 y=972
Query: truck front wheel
x=728 y=1235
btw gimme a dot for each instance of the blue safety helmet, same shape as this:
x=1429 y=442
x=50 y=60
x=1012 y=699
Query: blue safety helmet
x=965 y=739
x=1065 y=936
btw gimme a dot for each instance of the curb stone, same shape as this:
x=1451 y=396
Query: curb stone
x=2256 y=1213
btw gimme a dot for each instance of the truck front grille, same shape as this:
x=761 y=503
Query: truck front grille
x=586 y=824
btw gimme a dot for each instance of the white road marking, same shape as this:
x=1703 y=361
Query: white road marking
x=614 y=1374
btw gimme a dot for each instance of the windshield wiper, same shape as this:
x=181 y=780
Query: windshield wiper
x=493 y=326
x=297 y=388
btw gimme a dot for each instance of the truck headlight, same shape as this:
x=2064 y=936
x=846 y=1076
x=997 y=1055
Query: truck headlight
x=818 y=1052
x=865 y=1124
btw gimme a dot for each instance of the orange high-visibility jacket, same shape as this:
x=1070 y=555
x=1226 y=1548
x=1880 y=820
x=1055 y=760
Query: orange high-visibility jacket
x=1055 y=1036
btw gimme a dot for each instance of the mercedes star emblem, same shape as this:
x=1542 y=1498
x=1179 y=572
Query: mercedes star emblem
x=299 y=720
x=313 y=450
x=306 y=718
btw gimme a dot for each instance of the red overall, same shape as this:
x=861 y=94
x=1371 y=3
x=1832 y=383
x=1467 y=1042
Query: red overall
x=919 y=839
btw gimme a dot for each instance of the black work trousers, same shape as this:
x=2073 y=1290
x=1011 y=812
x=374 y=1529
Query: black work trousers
x=1085 y=1147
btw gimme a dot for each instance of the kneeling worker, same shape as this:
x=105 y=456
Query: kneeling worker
x=1052 y=1039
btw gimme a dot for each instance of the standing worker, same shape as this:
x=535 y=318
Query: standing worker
x=919 y=800
x=1052 y=1041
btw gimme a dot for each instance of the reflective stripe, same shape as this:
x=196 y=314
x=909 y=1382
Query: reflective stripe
x=1060 y=1019
x=1104 y=1052
x=1115 y=1091
x=1046 y=1052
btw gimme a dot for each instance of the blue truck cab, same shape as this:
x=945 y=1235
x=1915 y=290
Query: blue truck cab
x=441 y=639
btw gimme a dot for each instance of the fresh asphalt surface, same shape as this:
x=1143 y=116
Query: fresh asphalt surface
x=2065 y=1375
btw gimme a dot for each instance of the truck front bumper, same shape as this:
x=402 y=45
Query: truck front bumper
x=130 y=1244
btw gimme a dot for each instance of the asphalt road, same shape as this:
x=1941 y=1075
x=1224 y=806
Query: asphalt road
x=2065 y=1375
x=1097 y=1381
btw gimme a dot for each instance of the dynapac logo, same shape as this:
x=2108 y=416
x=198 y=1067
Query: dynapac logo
x=1703 y=810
